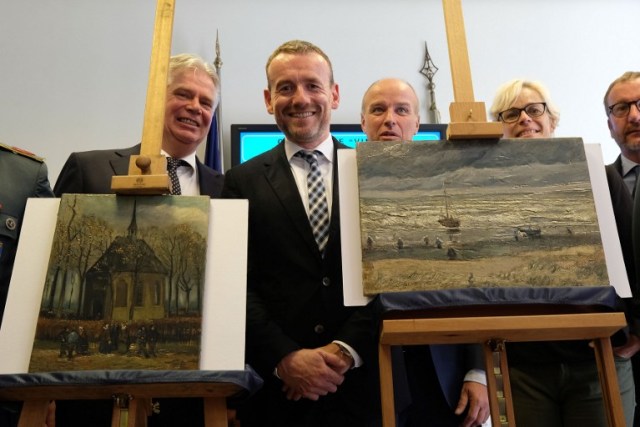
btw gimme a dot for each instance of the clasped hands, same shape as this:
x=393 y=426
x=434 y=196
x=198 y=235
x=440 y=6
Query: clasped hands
x=311 y=373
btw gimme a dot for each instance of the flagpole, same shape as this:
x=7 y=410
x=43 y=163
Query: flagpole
x=217 y=63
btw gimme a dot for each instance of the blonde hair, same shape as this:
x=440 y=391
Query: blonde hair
x=510 y=91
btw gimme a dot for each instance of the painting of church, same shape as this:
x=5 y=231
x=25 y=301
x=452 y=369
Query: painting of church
x=127 y=283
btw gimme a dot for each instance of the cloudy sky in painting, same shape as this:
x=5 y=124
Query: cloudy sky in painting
x=161 y=211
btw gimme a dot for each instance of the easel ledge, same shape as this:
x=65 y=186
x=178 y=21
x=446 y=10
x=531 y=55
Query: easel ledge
x=37 y=390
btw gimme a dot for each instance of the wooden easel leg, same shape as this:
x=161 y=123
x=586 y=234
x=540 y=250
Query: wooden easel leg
x=609 y=382
x=386 y=386
x=139 y=411
x=499 y=388
x=506 y=386
x=129 y=411
x=215 y=412
x=492 y=383
x=34 y=413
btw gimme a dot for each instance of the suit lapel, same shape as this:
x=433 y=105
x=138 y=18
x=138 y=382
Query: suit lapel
x=204 y=179
x=334 y=231
x=120 y=161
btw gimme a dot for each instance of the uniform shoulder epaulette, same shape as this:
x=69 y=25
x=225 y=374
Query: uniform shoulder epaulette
x=21 y=152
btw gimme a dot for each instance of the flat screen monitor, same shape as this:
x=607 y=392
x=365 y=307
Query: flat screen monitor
x=248 y=141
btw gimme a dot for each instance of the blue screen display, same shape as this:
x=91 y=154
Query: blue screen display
x=252 y=142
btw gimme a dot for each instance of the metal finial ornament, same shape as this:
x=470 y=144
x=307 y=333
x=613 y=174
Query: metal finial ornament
x=429 y=70
x=218 y=61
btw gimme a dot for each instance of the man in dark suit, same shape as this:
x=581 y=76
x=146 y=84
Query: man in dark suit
x=192 y=97
x=445 y=384
x=622 y=106
x=317 y=356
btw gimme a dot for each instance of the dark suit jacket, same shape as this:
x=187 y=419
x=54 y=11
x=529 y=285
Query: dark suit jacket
x=294 y=295
x=90 y=172
x=623 y=212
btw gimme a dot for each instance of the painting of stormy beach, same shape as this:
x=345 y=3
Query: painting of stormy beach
x=463 y=214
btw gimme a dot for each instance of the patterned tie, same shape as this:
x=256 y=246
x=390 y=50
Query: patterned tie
x=318 y=207
x=172 y=167
x=630 y=179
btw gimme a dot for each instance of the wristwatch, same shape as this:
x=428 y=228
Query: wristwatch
x=344 y=352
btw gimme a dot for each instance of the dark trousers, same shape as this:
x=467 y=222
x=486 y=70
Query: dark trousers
x=428 y=407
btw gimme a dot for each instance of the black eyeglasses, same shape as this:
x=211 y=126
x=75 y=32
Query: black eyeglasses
x=535 y=109
x=621 y=109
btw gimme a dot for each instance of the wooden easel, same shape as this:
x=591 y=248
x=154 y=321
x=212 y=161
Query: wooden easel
x=132 y=402
x=148 y=171
x=491 y=331
x=468 y=117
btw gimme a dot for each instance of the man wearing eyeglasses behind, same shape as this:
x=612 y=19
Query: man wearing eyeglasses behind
x=622 y=106
x=525 y=110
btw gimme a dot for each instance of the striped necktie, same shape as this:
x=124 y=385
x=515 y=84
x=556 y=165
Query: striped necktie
x=318 y=207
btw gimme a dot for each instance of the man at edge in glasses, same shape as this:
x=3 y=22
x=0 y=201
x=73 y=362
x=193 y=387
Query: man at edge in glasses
x=622 y=107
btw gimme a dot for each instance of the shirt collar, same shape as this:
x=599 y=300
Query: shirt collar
x=325 y=147
x=626 y=164
x=191 y=158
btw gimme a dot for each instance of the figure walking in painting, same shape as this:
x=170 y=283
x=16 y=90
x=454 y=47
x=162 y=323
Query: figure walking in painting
x=115 y=336
x=62 y=340
x=438 y=243
x=105 y=339
x=83 y=342
x=141 y=342
x=152 y=340
x=72 y=343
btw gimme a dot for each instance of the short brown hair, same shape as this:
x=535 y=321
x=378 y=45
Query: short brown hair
x=298 y=47
x=626 y=77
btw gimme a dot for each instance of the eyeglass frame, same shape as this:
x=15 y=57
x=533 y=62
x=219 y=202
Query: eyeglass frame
x=520 y=110
x=628 y=104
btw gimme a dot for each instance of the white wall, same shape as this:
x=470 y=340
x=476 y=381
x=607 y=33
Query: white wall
x=73 y=73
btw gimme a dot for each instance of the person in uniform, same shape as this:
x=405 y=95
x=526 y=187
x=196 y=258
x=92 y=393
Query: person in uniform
x=22 y=175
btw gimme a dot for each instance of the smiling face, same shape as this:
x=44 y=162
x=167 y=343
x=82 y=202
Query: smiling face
x=188 y=111
x=626 y=130
x=525 y=126
x=301 y=97
x=390 y=111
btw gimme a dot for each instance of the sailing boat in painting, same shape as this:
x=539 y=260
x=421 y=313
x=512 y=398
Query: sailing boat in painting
x=448 y=219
